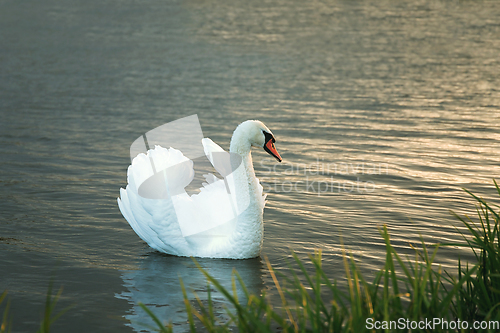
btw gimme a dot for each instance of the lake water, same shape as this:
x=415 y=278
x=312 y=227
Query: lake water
x=383 y=111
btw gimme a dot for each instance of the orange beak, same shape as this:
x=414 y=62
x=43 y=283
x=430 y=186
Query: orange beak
x=271 y=149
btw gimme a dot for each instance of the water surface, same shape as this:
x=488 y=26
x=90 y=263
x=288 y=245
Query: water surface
x=389 y=108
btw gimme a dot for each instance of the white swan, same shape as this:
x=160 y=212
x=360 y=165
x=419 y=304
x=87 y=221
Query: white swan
x=229 y=228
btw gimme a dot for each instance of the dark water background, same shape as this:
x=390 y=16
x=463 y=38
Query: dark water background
x=395 y=102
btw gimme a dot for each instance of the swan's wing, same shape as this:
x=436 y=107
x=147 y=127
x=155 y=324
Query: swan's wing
x=212 y=207
x=154 y=219
x=212 y=151
x=209 y=146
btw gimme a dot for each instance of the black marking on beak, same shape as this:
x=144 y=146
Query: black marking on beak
x=269 y=145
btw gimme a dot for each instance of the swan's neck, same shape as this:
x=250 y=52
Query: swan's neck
x=239 y=143
x=241 y=146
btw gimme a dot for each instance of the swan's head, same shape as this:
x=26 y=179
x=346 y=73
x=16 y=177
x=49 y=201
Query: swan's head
x=258 y=135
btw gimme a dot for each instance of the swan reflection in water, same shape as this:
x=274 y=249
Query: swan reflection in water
x=156 y=284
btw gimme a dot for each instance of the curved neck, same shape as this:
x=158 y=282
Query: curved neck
x=241 y=146
x=239 y=143
x=249 y=228
x=246 y=160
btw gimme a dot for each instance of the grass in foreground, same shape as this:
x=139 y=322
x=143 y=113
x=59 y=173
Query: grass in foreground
x=49 y=317
x=479 y=298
